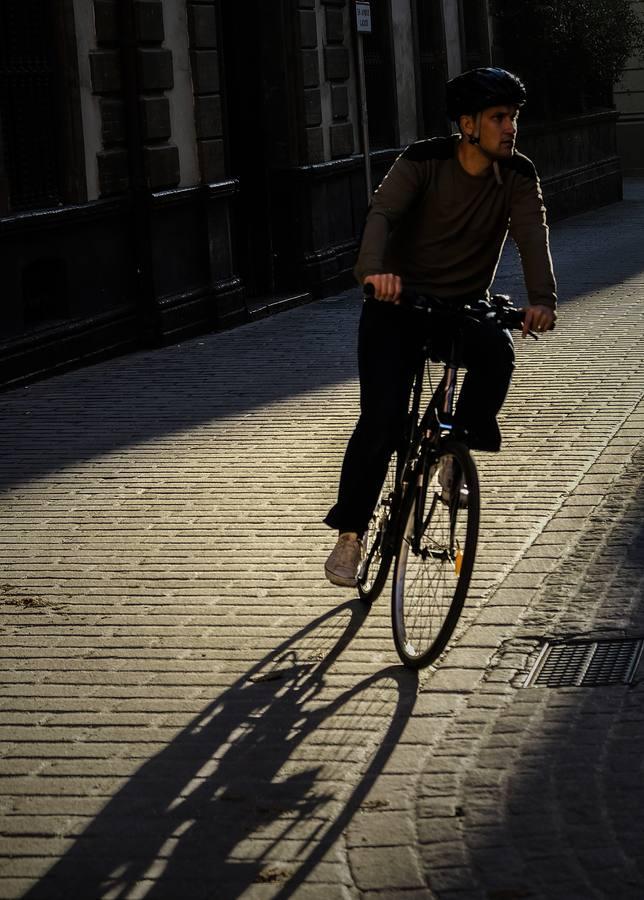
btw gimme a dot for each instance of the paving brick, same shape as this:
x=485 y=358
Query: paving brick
x=380 y=829
x=386 y=868
x=456 y=679
x=173 y=660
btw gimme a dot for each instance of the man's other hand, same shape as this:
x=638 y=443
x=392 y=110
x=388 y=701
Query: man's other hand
x=538 y=318
x=387 y=287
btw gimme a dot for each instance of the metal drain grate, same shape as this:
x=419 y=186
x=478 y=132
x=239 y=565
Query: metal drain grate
x=586 y=663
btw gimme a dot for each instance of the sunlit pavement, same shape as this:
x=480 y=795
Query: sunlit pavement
x=189 y=710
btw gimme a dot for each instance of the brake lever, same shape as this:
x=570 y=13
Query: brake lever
x=513 y=323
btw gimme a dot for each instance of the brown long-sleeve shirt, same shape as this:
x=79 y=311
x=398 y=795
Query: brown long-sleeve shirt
x=442 y=230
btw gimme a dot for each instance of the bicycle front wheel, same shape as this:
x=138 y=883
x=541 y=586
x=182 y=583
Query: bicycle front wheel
x=435 y=556
x=378 y=550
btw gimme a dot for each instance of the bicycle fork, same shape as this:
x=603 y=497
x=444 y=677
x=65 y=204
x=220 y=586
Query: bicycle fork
x=423 y=516
x=444 y=415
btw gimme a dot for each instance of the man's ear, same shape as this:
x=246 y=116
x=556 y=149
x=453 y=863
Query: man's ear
x=466 y=125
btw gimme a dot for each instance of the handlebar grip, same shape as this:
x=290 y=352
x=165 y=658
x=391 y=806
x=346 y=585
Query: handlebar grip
x=407 y=298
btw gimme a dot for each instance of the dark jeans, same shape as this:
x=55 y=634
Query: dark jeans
x=390 y=343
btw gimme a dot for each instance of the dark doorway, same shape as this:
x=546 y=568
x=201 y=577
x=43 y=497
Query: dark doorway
x=474 y=34
x=244 y=51
x=380 y=78
x=430 y=29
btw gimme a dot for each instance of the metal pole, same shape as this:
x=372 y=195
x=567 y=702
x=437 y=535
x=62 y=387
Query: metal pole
x=364 y=117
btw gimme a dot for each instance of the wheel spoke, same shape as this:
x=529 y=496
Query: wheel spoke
x=433 y=568
x=377 y=556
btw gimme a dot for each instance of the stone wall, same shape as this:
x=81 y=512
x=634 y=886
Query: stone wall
x=577 y=161
x=142 y=72
x=219 y=146
x=327 y=85
x=206 y=89
x=148 y=256
x=629 y=99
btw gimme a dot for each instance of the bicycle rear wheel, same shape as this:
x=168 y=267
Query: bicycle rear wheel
x=377 y=550
x=435 y=556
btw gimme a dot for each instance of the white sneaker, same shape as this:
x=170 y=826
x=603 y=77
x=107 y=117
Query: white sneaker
x=341 y=568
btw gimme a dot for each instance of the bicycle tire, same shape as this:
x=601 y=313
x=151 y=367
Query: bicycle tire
x=434 y=562
x=377 y=549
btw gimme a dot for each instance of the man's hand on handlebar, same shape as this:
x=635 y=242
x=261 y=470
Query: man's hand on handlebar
x=387 y=287
x=538 y=318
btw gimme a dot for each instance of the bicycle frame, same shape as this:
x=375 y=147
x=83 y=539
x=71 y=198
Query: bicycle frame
x=434 y=549
x=424 y=437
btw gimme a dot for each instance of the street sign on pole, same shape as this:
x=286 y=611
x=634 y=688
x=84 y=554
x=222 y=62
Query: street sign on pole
x=363 y=26
x=363 y=18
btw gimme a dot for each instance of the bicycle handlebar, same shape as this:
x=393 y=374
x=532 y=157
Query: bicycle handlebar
x=498 y=308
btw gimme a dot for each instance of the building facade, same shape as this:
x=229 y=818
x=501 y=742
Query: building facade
x=629 y=99
x=174 y=166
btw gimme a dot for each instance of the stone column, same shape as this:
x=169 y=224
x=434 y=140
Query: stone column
x=183 y=28
x=404 y=61
x=338 y=82
x=148 y=79
x=85 y=17
x=206 y=81
x=324 y=31
x=308 y=29
x=452 y=37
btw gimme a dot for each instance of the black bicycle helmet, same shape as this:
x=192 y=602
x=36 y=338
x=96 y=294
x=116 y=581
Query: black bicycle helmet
x=473 y=91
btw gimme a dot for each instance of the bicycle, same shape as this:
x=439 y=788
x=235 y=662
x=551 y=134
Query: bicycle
x=429 y=527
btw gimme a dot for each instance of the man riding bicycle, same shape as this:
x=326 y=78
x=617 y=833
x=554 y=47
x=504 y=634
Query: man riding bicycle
x=437 y=225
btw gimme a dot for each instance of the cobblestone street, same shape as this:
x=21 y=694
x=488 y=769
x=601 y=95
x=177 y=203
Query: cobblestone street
x=189 y=710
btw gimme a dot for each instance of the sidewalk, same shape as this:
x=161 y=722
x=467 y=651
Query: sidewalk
x=189 y=710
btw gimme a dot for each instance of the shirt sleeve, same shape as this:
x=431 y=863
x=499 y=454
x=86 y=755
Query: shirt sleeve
x=529 y=230
x=393 y=198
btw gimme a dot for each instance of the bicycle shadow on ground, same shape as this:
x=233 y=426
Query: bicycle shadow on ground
x=243 y=794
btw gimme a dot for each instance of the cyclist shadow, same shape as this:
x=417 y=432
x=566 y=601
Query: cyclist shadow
x=235 y=798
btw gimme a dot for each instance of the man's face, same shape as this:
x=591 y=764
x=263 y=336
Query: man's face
x=498 y=130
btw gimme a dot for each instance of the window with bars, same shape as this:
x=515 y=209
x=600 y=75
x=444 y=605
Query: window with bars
x=29 y=110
